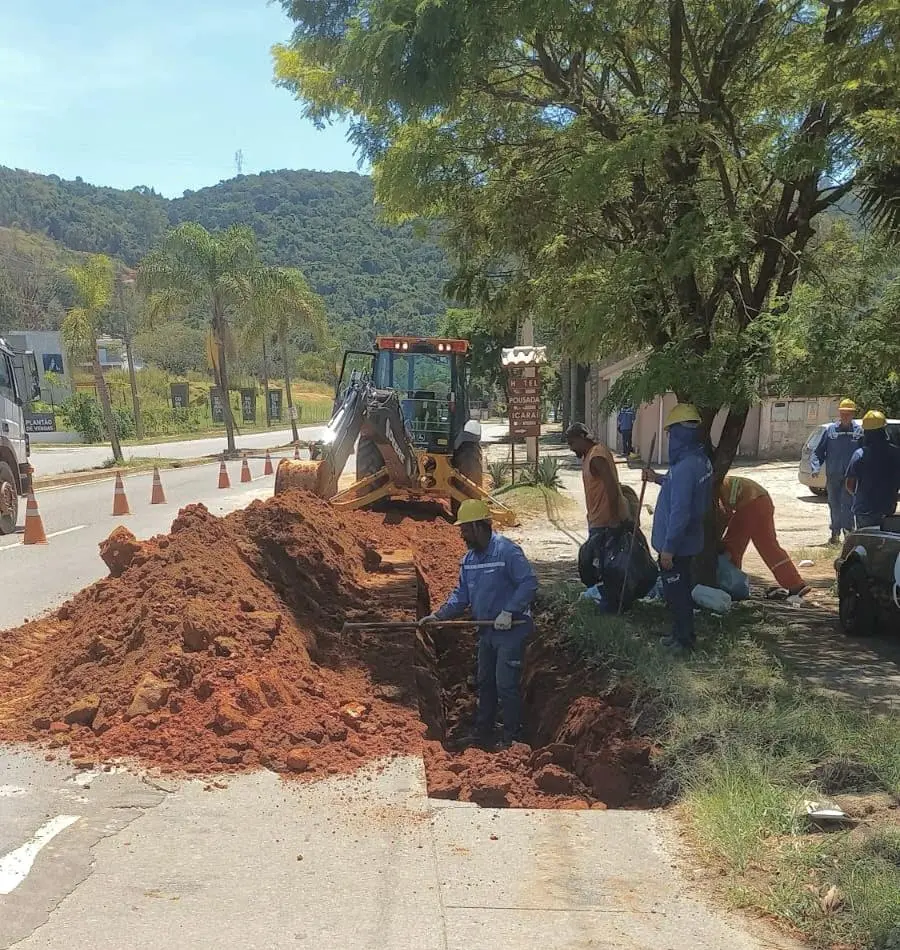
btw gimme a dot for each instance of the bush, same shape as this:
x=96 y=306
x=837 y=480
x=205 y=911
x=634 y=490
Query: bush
x=81 y=414
x=545 y=474
x=499 y=472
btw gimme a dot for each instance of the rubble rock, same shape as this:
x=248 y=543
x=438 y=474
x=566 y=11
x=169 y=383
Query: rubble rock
x=83 y=711
x=152 y=693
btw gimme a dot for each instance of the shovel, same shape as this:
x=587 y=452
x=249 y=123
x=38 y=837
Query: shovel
x=414 y=625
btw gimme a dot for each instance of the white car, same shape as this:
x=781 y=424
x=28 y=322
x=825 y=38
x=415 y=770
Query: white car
x=816 y=483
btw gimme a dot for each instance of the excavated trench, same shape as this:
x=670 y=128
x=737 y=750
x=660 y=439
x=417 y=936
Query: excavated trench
x=580 y=749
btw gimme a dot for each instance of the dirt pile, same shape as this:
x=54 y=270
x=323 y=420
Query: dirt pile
x=198 y=653
x=218 y=647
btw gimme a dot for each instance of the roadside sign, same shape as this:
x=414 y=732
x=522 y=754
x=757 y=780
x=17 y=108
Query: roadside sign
x=248 y=405
x=216 y=404
x=40 y=422
x=275 y=404
x=524 y=401
x=180 y=395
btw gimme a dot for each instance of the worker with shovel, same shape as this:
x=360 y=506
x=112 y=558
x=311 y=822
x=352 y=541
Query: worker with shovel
x=496 y=585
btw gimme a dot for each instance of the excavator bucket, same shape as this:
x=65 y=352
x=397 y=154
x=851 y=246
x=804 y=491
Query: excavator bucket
x=302 y=475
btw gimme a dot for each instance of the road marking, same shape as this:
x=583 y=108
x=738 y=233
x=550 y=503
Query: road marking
x=53 y=534
x=15 y=866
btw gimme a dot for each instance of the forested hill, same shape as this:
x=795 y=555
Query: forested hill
x=375 y=278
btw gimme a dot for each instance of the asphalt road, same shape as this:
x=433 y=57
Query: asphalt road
x=36 y=578
x=54 y=461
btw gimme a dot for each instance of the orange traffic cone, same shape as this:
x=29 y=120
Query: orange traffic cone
x=120 y=500
x=224 y=480
x=34 y=526
x=157 y=496
x=268 y=470
x=245 y=472
x=296 y=453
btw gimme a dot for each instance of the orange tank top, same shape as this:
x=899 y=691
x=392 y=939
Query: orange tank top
x=601 y=509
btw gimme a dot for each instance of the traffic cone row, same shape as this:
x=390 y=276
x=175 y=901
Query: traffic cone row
x=34 y=525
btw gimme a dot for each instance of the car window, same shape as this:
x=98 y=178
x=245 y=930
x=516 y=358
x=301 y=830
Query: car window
x=893 y=432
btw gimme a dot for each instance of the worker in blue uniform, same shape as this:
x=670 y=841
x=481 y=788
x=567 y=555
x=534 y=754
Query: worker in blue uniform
x=681 y=508
x=496 y=586
x=625 y=425
x=835 y=449
x=873 y=476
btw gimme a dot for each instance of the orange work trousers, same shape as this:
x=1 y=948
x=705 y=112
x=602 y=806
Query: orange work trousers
x=755 y=522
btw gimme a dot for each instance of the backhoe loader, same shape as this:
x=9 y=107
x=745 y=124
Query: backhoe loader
x=407 y=405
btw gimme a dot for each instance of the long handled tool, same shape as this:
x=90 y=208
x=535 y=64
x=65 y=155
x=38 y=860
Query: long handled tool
x=414 y=625
x=637 y=523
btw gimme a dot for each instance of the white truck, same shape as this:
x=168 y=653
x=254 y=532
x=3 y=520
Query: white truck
x=15 y=447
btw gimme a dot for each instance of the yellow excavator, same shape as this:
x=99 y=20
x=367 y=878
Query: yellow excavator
x=407 y=404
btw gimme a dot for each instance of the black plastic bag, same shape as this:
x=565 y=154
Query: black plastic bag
x=604 y=559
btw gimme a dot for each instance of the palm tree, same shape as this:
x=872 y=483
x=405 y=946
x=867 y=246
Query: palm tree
x=93 y=291
x=195 y=268
x=282 y=304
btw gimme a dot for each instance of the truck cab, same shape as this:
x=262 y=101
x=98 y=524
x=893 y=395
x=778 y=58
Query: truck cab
x=15 y=471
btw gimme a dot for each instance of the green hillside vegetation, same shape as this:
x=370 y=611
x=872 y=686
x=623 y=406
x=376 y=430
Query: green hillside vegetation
x=374 y=278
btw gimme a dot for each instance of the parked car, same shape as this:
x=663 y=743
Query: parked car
x=868 y=574
x=816 y=483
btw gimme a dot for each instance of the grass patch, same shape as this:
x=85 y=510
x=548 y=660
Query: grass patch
x=536 y=501
x=742 y=745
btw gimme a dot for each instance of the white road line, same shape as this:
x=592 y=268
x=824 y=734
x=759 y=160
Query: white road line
x=53 y=534
x=15 y=866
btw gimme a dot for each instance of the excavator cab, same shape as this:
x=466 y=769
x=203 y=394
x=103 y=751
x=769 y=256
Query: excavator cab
x=429 y=376
x=405 y=406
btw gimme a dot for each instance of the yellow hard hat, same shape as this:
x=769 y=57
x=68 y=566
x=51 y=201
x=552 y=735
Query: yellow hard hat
x=682 y=412
x=874 y=419
x=847 y=404
x=472 y=509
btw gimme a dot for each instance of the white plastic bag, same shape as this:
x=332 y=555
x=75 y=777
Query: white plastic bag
x=711 y=598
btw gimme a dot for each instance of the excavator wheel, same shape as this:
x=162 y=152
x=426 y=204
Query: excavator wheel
x=368 y=459
x=468 y=460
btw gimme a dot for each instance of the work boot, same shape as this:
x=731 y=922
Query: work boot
x=479 y=739
x=834 y=540
x=676 y=647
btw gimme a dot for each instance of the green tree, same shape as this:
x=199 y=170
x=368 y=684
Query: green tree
x=195 y=268
x=82 y=325
x=281 y=304
x=645 y=175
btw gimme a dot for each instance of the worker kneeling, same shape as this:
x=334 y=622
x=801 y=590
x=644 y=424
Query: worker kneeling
x=496 y=585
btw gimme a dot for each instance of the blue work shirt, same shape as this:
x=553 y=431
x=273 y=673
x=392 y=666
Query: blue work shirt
x=625 y=419
x=836 y=447
x=685 y=497
x=490 y=581
x=876 y=468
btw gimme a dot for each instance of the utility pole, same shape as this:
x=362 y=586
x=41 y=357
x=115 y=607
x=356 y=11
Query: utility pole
x=239 y=161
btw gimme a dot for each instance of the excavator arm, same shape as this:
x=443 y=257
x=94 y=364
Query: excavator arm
x=363 y=409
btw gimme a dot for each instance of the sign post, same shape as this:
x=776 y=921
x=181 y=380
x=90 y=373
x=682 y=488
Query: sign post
x=523 y=397
x=180 y=393
x=216 y=405
x=248 y=405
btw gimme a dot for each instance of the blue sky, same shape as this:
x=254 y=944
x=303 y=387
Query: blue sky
x=151 y=92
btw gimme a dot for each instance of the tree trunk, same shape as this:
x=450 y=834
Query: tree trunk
x=265 y=376
x=282 y=339
x=109 y=420
x=565 y=387
x=722 y=455
x=132 y=376
x=219 y=334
